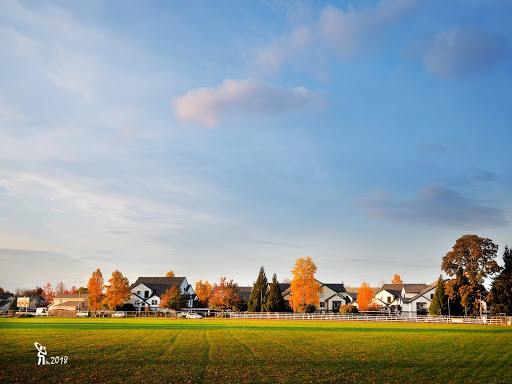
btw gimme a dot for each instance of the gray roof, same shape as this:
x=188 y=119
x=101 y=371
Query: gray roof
x=415 y=288
x=67 y=304
x=284 y=286
x=4 y=302
x=244 y=293
x=336 y=287
x=169 y=281
x=394 y=289
x=71 y=296
x=5 y=296
x=159 y=284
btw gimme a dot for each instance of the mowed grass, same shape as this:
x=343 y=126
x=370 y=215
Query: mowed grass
x=239 y=351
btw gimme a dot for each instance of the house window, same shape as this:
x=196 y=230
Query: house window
x=137 y=302
x=431 y=296
x=146 y=294
x=389 y=299
x=322 y=304
x=153 y=302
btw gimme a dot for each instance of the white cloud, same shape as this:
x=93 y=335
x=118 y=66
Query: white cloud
x=463 y=51
x=343 y=32
x=208 y=105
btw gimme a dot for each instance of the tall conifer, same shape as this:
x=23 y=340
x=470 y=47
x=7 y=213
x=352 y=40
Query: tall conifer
x=439 y=305
x=275 y=301
x=259 y=293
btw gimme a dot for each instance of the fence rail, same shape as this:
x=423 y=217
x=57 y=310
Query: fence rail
x=369 y=318
x=378 y=318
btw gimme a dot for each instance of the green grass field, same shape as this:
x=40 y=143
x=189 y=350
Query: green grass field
x=230 y=351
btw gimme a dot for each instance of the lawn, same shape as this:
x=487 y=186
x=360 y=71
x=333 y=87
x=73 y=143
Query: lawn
x=267 y=351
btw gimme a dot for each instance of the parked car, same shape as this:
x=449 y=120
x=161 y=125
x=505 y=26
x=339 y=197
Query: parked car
x=194 y=316
x=118 y=314
x=82 y=314
x=100 y=314
x=41 y=311
x=181 y=315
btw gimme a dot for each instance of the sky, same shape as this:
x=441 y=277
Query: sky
x=212 y=138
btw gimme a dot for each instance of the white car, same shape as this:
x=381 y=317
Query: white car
x=82 y=314
x=41 y=311
x=194 y=316
x=118 y=314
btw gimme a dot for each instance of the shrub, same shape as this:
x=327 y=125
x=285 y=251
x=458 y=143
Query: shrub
x=348 y=309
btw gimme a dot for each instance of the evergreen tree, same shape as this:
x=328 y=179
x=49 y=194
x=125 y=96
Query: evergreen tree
x=259 y=293
x=507 y=259
x=439 y=306
x=275 y=301
x=13 y=304
x=500 y=297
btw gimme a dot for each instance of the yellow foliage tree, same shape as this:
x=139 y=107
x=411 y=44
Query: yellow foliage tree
x=364 y=296
x=396 y=280
x=118 y=292
x=305 y=290
x=95 y=288
x=170 y=274
x=203 y=291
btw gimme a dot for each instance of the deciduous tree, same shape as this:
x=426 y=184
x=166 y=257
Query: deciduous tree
x=275 y=301
x=60 y=288
x=170 y=274
x=171 y=299
x=475 y=256
x=396 y=280
x=439 y=305
x=203 y=292
x=95 y=288
x=364 y=296
x=454 y=289
x=259 y=293
x=305 y=289
x=225 y=295
x=118 y=290
x=500 y=297
x=48 y=293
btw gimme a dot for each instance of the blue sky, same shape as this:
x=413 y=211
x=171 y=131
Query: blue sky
x=211 y=138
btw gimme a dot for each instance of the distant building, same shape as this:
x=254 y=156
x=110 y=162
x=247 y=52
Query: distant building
x=69 y=302
x=147 y=291
x=5 y=300
x=333 y=296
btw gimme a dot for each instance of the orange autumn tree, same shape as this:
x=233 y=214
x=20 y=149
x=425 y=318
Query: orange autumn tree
x=95 y=288
x=305 y=289
x=364 y=296
x=171 y=299
x=118 y=292
x=203 y=292
x=170 y=274
x=396 y=280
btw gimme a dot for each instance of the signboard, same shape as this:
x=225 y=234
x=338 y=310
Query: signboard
x=23 y=302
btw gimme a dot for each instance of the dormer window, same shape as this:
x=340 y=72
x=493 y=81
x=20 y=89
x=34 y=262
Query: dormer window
x=146 y=294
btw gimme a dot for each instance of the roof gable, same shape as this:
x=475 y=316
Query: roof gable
x=168 y=281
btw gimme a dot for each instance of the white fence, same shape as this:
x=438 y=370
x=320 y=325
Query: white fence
x=368 y=318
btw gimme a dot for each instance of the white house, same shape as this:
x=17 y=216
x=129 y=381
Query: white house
x=388 y=296
x=331 y=298
x=147 y=291
x=412 y=301
x=69 y=302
